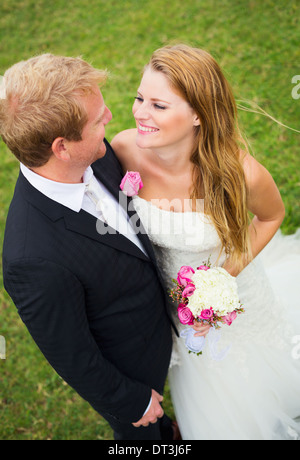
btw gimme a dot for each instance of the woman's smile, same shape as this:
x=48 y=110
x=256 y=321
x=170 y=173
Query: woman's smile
x=163 y=118
x=143 y=129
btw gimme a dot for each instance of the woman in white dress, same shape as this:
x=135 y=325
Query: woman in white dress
x=199 y=187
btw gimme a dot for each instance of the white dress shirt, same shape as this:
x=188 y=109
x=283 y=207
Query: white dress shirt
x=73 y=196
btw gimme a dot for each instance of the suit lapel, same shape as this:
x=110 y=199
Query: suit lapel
x=110 y=173
x=82 y=223
x=87 y=225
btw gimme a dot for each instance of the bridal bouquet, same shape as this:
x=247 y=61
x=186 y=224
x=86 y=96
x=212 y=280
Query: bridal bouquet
x=209 y=296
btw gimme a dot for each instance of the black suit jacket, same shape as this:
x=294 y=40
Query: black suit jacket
x=92 y=301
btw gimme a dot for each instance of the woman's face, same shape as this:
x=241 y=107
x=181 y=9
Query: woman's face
x=163 y=118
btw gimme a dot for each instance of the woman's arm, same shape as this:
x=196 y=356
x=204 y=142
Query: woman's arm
x=265 y=203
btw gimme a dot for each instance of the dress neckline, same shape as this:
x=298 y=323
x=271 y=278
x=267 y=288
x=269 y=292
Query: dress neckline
x=168 y=211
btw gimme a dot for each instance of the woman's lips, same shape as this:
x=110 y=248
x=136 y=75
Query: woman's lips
x=143 y=129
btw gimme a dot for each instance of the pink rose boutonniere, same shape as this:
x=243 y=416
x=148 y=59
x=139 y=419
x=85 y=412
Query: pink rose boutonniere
x=131 y=183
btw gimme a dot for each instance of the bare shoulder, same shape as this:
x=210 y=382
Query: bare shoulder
x=255 y=173
x=128 y=153
x=257 y=177
x=124 y=143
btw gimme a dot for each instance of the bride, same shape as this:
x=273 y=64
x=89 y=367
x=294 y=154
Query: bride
x=200 y=184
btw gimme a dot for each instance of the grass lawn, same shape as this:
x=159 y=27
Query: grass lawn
x=256 y=43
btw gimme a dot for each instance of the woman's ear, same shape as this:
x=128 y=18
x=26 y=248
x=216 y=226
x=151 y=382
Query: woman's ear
x=59 y=149
x=196 y=121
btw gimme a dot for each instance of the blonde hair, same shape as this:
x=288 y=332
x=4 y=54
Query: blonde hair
x=42 y=103
x=218 y=173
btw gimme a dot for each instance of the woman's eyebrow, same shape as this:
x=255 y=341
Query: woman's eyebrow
x=154 y=99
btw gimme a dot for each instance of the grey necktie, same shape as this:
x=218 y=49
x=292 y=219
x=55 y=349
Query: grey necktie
x=94 y=192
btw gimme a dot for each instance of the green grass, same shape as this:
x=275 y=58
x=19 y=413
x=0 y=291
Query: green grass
x=256 y=43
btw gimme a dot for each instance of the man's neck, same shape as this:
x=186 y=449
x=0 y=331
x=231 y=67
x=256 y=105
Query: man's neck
x=65 y=175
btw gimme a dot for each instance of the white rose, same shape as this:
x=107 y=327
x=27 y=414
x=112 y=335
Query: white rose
x=215 y=288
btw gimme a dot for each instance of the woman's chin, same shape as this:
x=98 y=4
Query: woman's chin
x=143 y=141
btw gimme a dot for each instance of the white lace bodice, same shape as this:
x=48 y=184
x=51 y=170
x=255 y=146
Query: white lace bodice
x=189 y=238
x=179 y=238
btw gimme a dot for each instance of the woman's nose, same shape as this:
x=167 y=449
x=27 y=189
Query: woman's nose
x=142 y=112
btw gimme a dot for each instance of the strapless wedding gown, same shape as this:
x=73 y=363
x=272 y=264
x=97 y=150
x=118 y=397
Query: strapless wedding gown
x=254 y=392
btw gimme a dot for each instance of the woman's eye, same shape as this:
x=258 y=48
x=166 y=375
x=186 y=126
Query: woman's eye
x=156 y=106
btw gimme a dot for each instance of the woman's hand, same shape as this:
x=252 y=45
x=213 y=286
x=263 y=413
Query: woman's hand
x=201 y=329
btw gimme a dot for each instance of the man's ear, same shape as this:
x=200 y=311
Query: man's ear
x=59 y=149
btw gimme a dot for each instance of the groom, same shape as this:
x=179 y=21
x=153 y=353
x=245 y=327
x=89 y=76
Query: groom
x=92 y=300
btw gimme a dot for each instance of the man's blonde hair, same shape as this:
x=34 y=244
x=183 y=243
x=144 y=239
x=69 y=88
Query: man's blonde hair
x=42 y=103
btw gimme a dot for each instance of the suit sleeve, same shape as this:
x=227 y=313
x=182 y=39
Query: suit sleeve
x=51 y=303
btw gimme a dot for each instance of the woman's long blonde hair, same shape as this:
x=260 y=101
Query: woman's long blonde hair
x=218 y=173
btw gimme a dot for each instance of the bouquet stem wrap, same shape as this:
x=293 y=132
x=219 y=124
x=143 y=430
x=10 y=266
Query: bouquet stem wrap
x=196 y=344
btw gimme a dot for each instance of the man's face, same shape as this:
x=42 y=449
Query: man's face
x=91 y=147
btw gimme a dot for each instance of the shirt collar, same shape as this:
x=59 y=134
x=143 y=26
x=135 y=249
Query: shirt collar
x=69 y=195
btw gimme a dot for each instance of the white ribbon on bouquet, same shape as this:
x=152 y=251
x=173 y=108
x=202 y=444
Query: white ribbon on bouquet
x=196 y=344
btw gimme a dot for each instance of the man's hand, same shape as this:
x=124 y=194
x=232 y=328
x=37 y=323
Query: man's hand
x=154 y=412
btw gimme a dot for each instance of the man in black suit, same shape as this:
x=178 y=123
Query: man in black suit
x=85 y=284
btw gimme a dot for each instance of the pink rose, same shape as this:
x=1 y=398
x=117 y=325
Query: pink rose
x=184 y=275
x=188 y=290
x=203 y=267
x=131 y=183
x=207 y=314
x=185 y=315
x=228 y=319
